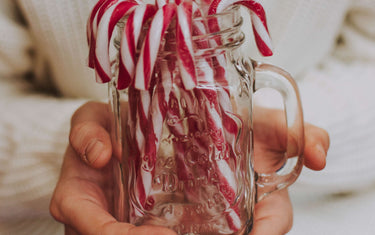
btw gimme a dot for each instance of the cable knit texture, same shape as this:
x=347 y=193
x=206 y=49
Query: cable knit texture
x=47 y=38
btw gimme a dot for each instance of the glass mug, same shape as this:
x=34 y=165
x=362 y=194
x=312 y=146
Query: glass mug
x=187 y=155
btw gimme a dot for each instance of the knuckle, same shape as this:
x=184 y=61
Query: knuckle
x=77 y=137
x=108 y=227
x=318 y=134
x=65 y=206
x=54 y=210
x=326 y=137
x=323 y=137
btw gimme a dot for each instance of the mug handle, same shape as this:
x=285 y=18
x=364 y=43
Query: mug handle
x=270 y=76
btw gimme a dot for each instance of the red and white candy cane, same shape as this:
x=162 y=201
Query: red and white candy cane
x=215 y=68
x=129 y=42
x=92 y=26
x=148 y=134
x=151 y=44
x=184 y=125
x=146 y=138
x=160 y=3
x=224 y=128
x=224 y=173
x=214 y=122
x=104 y=33
x=184 y=45
x=145 y=167
x=138 y=115
x=258 y=18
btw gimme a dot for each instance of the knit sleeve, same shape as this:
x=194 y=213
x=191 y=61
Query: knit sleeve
x=15 y=42
x=339 y=96
x=357 y=40
x=34 y=131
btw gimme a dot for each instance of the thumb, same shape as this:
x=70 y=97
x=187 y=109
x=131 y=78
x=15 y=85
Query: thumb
x=89 y=136
x=92 y=143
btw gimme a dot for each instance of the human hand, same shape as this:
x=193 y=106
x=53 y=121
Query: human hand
x=81 y=199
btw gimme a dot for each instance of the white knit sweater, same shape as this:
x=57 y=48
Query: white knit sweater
x=42 y=43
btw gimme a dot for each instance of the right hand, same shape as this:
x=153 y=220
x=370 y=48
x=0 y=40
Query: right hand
x=82 y=199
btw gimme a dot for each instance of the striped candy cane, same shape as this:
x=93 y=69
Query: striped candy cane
x=258 y=18
x=214 y=122
x=104 y=33
x=92 y=26
x=185 y=45
x=218 y=118
x=129 y=42
x=147 y=134
x=151 y=44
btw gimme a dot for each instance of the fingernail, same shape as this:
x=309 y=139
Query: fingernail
x=321 y=150
x=93 y=151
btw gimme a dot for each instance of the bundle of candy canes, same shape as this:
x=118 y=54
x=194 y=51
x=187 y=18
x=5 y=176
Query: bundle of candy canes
x=136 y=72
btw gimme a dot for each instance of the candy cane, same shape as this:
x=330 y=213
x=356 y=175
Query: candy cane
x=127 y=58
x=145 y=167
x=105 y=28
x=217 y=66
x=181 y=129
x=258 y=18
x=260 y=29
x=208 y=96
x=161 y=3
x=92 y=26
x=150 y=47
x=224 y=129
x=146 y=138
x=218 y=107
x=185 y=45
x=129 y=42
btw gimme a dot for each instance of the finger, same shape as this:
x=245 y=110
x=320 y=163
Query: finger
x=273 y=215
x=89 y=135
x=316 y=147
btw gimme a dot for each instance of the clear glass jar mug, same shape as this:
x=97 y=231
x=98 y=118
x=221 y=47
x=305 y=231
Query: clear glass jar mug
x=187 y=159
